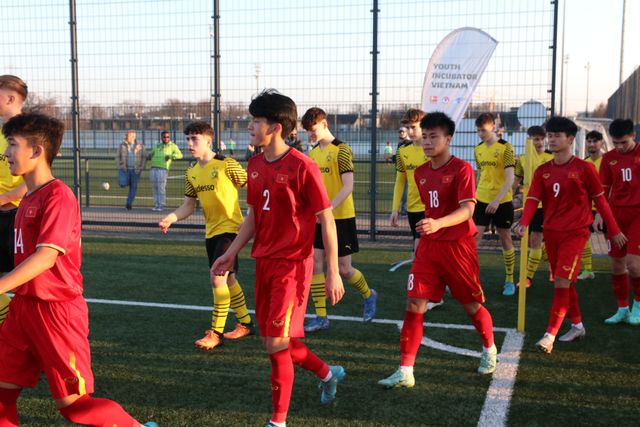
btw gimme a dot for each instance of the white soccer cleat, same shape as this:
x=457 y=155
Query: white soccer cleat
x=545 y=344
x=574 y=334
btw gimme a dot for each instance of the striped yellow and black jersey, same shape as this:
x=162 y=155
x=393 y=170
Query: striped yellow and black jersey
x=334 y=160
x=597 y=162
x=408 y=158
x=491 y=162
x=541 y=158
x=8 y=182
x=216 y=186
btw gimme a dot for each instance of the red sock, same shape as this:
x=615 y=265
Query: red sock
x=8 y=408
x=559 y=307
x=574 y=308
x=306 y=359
x=281 y=384
x=94 y=411
x=620 y=285
x=484 y=325
x=635 y=284
x=410 y=338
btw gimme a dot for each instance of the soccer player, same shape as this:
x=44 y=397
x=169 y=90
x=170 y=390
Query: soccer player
x=537 y=136
x=48 y=325
x=335 y=160
x=408 y=158
x=566 y=187
x=286 y=197
x=495 y=164
x=214 y=180
x=13 y=92
x=620 y=173
x=594 y=142
x=446 y=251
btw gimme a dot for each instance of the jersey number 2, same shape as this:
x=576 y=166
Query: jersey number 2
x=265 y=194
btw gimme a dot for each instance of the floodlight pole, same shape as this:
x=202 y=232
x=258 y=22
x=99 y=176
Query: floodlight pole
x=624 y=19
x=75 y=109
x=564 y=15
x=554 y=51
x=216 y=79
x=586 y=108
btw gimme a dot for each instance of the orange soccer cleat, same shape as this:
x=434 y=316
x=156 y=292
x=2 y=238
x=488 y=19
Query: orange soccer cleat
x=210 y=340
x=241 y=330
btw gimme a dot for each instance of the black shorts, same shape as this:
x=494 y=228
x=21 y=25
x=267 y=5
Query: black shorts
x=347 y=237
x=502 y=218
x=536 y=222
x=216 y=247
x=413 y=218
x=593 y=230
x=7 y=220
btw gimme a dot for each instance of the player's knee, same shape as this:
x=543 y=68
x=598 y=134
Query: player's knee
x=618 y=266
x=416 y=305
x=634 y=268
x=346 y=270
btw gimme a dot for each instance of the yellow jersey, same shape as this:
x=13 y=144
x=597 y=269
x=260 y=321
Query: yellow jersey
x=541 y=158
x=216 y=186
x=491 y=162
x=596 y=163
x=334 y=160
x=408 y=158
x=8 y=182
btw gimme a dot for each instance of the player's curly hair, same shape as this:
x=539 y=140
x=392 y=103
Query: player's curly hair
x=440 y=120
x=594 y=134
x=275 y=108
x=313 y=116
x=37 y=129
x=199 y=128
x=412 y=115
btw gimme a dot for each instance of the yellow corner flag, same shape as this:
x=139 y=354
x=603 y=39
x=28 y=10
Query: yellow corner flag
x=531 y=161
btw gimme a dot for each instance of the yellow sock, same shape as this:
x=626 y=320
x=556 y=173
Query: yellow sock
x=239 y=304
x=587 y=263
x=544 y=253
x=4 y=307
x=319 y=294
x=533 y=261
x=358 y=281
x=221 y=300
x=509 y=263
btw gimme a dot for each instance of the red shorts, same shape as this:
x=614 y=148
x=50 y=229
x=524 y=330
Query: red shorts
x=441 y=263
x=564 y=249
x=628 y=220
x=282 y=289
x=51 y=337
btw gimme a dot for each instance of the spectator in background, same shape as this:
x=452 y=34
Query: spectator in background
x=232 y=146
x=161 y=156
x=251 y=151
x=388 y=153
x=294 y=141
x=131 y=160
x=403 y=139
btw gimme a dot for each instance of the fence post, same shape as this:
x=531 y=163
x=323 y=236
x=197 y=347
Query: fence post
x=374 y=123
x=86 y=183
x=75 y=113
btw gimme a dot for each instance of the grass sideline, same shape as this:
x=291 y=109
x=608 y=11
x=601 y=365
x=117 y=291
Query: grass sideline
x=144 y=357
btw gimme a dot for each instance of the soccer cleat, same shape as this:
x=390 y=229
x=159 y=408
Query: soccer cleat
x=488 y=361
x=634 y=318
x=240 y=331
x=528 y=282
x=270 y=424
x=150 y=424
x=551 y=277
x=210 y=340
x=586 y=275
x=508 y=289
x=545 y=344
x=318 y=323
x=621 y=316
x=329 y=388
x=431 y=304
x=398 y=379
x=370 y=306
x=574 y=334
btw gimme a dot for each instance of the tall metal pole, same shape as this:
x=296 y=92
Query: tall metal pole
x=586 y=108
x=564 y=16
x=624 y=19
x=216 y=66
x=374 y=122
x=554 y=47
x=211 y=72
x=75 y=109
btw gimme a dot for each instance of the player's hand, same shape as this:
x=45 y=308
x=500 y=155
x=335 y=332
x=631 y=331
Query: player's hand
x=520 y=230
x=334 y=287
x=165 y=223
x=598 y=223
x=428 y=226
x=221 y=265
x=492 y=207
x=394 y=219
x=619 y=240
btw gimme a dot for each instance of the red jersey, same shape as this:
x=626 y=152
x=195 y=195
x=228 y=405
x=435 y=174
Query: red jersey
x=566 y=192
x=50 y=216
x=620 y=175
x=285 y=196
x=442 y=191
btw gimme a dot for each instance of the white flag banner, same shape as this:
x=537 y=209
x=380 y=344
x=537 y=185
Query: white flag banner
x=454 y=71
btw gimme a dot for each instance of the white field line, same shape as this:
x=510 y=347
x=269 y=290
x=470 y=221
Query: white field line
x=496 y=405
